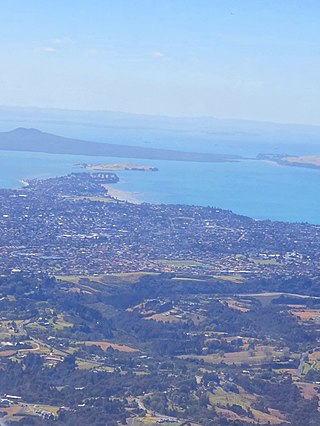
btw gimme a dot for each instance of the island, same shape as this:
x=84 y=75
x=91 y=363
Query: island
x=118 y=167
x=33 y=140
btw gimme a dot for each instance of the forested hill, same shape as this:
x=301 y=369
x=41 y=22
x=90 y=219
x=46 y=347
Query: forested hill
x=34 y=140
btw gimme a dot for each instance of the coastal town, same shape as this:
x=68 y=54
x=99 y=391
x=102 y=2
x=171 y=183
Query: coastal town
x=71 y=225
x=145 y=314
x=159 y=213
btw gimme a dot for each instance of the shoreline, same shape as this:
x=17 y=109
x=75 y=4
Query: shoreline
x=298 y=164
x=120 y=195
x=307 y=162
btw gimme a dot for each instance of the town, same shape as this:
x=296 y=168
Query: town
x=118 y=313
x=70 y=226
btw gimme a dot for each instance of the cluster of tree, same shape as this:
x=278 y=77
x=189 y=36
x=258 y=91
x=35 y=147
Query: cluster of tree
x=283 y=396
x=100 y=396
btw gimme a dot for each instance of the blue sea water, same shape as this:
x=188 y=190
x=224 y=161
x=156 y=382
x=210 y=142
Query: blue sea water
x=254 y=188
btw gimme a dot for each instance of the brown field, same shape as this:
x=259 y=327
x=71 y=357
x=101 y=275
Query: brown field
x=237 y=305
x=14 y=409
x=307 y=390
x=142 y=309
x=291 y=371
x=315 y=356
x=274 y=418
x=164 y=317
x=7 y=353
x=75 y=290
x=307 y=315
x=230 y=415
x=105 y=345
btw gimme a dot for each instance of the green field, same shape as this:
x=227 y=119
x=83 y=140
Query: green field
x=223 y=398
x=236 y=279
x=242 y=357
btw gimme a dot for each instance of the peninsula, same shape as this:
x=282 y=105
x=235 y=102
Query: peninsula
x=309 y=161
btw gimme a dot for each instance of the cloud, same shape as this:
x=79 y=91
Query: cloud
x=49 y=49
x=56 y=44
x=62 y=40
x=92 y=51
x=157 y=54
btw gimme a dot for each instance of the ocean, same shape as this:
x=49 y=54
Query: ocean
x=261 y=190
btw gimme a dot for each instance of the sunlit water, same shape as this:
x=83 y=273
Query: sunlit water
x=258 y=189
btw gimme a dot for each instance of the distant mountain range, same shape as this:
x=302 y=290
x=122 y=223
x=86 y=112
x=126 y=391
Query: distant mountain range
x=34 y=140
x=218 y=129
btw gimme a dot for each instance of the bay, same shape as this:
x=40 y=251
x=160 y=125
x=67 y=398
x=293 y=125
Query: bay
x=261 y=190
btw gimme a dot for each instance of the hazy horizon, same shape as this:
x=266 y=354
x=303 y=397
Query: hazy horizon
x=255 y=61
x=146 y=115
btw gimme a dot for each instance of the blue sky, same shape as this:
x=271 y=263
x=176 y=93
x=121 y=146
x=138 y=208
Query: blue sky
x=253 y=59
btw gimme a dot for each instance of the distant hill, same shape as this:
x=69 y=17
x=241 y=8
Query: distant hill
x=225 y=129
x=34 y=140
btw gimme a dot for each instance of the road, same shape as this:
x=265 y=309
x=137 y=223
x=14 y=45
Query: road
x=304 y=358
x=141 y=405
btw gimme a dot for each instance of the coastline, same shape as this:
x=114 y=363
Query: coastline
x=118 y=194
x=298 y=164
x=307 y=162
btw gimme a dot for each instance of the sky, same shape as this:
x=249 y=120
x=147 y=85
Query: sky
x=243 y=59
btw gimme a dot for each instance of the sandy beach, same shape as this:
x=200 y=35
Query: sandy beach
x=130 y=197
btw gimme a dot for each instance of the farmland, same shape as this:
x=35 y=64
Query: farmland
x=148 y=314
x=232 y=353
